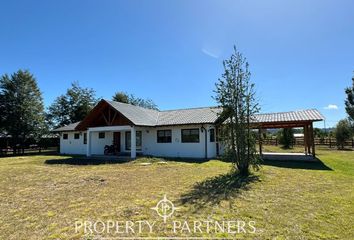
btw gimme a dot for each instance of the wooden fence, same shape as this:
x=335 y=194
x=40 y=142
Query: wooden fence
x=330 y=142
x=29 y=150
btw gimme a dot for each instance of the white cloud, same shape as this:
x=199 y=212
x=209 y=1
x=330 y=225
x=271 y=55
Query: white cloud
x=209 y=53
x=331 y=107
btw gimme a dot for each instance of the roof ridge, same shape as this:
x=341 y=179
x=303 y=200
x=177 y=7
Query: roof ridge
x=191 y=108
x=149 y=109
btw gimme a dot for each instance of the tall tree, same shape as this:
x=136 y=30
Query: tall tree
x=131 y=99
x=71 y=107
x=236 y=95
x=349 y=102
x=21 y=105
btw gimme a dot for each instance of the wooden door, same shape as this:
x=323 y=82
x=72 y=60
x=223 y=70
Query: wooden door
x=116 y=141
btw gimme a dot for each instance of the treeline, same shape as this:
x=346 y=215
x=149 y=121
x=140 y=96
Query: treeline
x=24 y=118
x=343 y=132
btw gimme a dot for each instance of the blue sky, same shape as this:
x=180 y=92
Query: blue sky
x=301 y=53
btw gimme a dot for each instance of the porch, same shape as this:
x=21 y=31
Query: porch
x=122 y=138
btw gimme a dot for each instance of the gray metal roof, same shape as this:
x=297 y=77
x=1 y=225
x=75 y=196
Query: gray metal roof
x=67 y=128
x=138 y=115
x=294 y=116
x=147 y=117
x=188 y=116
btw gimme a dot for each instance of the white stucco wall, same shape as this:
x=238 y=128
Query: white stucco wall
x=97 y=144
x=71 y=145
x=176 y=148
x=77 y=146
x=150 y=146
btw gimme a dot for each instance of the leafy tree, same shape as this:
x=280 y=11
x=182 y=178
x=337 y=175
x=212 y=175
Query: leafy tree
x=286 y=137
x=71 y=107
x=343 y=132
x=121 y=97
x=236 y=95
x=131 y=99
x=349 y=102
x=21 y=105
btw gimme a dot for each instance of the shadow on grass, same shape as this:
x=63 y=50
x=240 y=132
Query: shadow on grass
x=86 y=161
x=310 y=165
x=214 y=190
x=81 y=160
x=192 y=160
x=187 y=160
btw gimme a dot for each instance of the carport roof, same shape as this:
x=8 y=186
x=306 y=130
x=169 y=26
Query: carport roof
x=288 y=119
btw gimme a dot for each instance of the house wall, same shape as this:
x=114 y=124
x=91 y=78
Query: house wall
x=71 y=145
x=97 y=144
x=150 y=146
x=176 y=148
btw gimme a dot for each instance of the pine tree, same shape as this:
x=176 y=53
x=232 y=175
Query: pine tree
x=349 y=102
x=236 y=95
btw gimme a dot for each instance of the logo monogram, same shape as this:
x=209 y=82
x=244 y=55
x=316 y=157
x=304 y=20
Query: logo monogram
x=164 y=208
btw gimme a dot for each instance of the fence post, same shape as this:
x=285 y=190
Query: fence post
x=330 y=142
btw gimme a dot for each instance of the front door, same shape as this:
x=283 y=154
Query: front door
x=116 y=141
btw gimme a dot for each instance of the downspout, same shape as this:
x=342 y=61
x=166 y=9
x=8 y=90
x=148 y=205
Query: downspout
x=206 y=141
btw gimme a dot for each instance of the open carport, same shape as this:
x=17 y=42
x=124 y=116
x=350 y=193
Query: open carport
x=295 y=119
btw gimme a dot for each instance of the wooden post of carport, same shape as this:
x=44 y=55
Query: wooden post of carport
x=306 y=139
x=260 y=141
x=312 y=140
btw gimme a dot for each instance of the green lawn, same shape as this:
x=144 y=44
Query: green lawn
x=39 y=200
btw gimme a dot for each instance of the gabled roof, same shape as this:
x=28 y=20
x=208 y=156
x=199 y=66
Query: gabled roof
x=147 y=117
x=137 y=115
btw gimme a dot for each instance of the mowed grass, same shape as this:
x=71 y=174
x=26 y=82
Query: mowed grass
x=286 y=200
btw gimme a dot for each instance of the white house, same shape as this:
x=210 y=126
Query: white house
x=135 y=130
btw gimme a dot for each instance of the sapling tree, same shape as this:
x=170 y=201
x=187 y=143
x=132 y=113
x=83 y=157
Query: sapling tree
x=235 y=94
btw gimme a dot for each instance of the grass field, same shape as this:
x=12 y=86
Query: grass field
x=41 y=197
